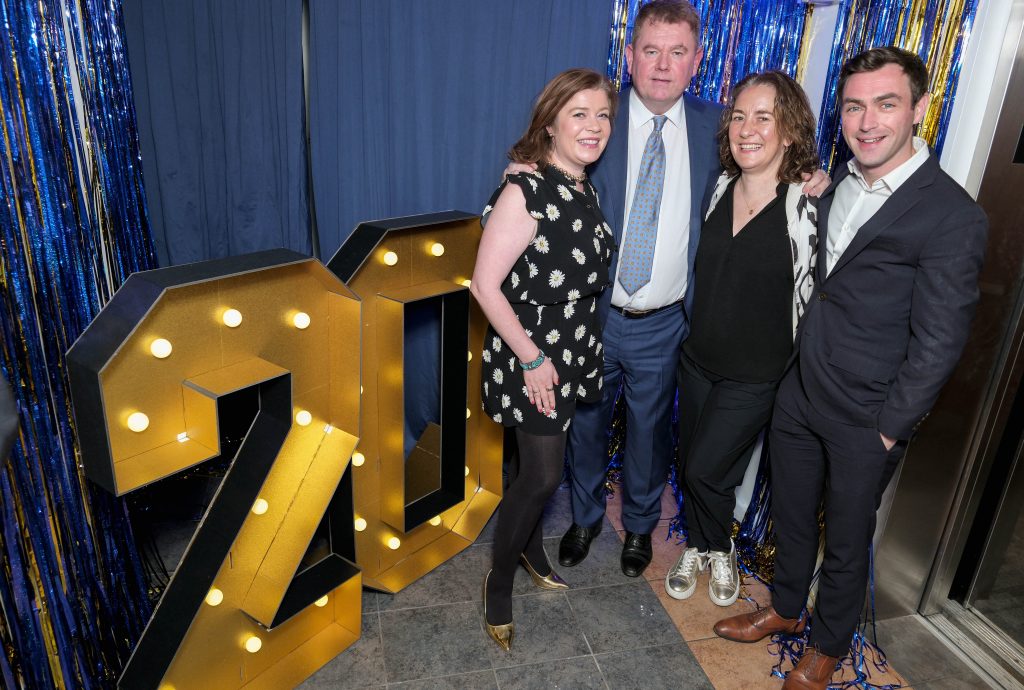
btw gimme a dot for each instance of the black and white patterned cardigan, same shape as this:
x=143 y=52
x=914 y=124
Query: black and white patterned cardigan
x=802 y=222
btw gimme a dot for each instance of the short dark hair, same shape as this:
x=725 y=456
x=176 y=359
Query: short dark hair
x=667 y=12
x=877 y=58
x=793 y=118
x=535 y=144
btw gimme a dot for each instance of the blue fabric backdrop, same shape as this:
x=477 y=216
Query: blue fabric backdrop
x=413 y=104
x=412 y=107
x=218 y=93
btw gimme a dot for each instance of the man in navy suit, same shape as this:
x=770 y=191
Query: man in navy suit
x=644 y=328
x=896 y=289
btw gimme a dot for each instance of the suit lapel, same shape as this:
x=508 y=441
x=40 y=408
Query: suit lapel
x=702 y=143
x=824 y=207
x=895 y=207
x=613 y=165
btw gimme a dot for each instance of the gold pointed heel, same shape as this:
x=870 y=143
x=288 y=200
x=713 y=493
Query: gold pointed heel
x=502 y=634
x=552 y=581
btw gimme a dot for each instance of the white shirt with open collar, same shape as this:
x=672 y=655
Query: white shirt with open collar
x=856 y=201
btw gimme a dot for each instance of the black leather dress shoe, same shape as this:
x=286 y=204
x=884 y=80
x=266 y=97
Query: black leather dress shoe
x=575 y=544
x=636 y=554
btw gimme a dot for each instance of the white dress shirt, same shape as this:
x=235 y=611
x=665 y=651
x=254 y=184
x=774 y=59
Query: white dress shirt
x=856 y=201
x=669 y=270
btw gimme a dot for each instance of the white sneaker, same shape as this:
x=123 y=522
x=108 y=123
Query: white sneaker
x=681 y=580
x=724 y=585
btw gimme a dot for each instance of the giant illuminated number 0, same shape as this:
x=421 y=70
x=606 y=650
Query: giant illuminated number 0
x=252 y=604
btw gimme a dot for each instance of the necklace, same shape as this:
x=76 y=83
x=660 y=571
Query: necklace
x=750 y=209
x=575 y=179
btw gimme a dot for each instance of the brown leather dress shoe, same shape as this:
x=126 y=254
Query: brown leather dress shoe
x=812 y=673
x=757 y=625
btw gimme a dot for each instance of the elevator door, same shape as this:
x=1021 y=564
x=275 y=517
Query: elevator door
x=986 y=596
x=974 y=592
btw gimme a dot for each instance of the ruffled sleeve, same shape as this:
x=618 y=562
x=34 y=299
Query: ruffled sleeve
x=533 y=192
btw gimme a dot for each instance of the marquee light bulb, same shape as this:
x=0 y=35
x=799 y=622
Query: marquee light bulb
x=394 y=543
x=390 y=258
x=466 y=282
x=469 y=356
x=468 y=413
x=467 y=470
x=214 y=597
x=321 y=602
x=303 y=417
x=138 y=422
x=161 y=348
x=436 y=520
x=232 y=318
x=260 y=506
x=253 y=644
x=360 y=524
x=437 y=249
x=358 y=459
x=301 y=320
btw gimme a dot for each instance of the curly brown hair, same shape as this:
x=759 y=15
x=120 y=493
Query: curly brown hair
x=535 y=144
x=794 y=118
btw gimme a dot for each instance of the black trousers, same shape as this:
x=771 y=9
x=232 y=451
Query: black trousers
x=719 y=420
x=814 y=460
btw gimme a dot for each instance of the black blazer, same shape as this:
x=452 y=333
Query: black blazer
x=609 y=177
x=886 y=327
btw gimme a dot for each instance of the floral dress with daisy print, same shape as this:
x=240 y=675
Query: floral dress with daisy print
x=553 y=289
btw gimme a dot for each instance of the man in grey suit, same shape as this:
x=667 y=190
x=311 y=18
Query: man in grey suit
x=896 y=289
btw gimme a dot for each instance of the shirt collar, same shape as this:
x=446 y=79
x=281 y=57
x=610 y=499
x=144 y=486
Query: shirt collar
x=896 y=177
x=639 y=115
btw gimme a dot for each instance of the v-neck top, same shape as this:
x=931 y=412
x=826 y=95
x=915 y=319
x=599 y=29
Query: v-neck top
x=741 y=327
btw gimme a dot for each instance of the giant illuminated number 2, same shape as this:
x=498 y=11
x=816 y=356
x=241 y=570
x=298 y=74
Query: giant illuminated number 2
x=244 y=609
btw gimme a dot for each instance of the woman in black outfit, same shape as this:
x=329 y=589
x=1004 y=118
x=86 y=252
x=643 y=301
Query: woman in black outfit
x=752 y=279
x=542 y=262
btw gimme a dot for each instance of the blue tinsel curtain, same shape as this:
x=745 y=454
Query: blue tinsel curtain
x=937 y=30
x=222 y=124
x=72 y=228
x=739 y=37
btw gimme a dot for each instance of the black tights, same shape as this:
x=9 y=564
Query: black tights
x=533 y=475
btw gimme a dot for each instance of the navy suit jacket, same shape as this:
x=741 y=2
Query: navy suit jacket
x=886 y=327
x=609 y=173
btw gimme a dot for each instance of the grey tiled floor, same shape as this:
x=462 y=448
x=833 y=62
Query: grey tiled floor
x=608 y=631
x=921 y=658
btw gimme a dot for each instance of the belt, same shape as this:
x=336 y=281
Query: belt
x=634 y=314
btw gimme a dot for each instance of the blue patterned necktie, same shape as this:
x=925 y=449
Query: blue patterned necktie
x=642 y=228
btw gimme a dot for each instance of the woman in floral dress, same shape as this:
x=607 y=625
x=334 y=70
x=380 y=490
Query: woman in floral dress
x=542 y=263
